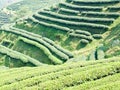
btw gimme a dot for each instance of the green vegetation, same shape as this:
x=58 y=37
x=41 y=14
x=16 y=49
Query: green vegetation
x=17 y=55
x=53 y=59
x=112 y=42
x=99 y=84
x=50 y=47
x=72 y=45
x=69 y=75
x=50 y=25
x=97 y=36
x=83 y=32
x=74 y=28
x=101 y=14
x=96 y=2
x=80 y=8
x=67 y=23
x=68 y=11
x=106 y=21
x=59 y=47
x=92 y=56
x=81 y=36
x=113 y=8
x=84 y=41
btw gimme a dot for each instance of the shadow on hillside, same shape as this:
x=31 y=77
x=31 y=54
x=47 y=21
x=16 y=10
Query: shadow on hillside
x=115 y=32
x=79 y=46
x=73 y=43
x=67 y=41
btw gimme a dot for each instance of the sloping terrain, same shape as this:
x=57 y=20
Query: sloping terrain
x=73 y=25
x=11 y=10
x=95 y=75
x=73 y=45
x=4 y=18
x=77 y=26
x=112 y=42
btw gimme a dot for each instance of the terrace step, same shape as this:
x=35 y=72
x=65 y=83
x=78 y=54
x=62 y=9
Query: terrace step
x=80 y=8
x=105 y=21
x=70 y=24
x=81 y=36
x=96 y=3
x=68 y=12
x=101 y=14
x=113 y=8
x=17 y=55
x=58 y=51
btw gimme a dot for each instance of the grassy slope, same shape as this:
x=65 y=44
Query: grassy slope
x=111 y=40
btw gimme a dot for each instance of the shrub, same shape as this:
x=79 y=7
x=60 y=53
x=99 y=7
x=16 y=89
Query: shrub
x=19 y=56
x=84 y=41
x=77 y=18
x=59 y=47
x=97 y=84
x=53 y=59
x=50 y=25
x=75 y=24
x=101 y=14
x=48 y=40
x=57 y=52
x=69 y=1
x=80 y=8
x=96 y=2
x=24 y=31
x=80 y=77
x=68 y=11
x=83 y=32
x=54 y=50
x=97 y=36
x=66 y=73
x=42 y=75
x=89 y=38
x=110 y=86
x=114 y=8
x=70 y=54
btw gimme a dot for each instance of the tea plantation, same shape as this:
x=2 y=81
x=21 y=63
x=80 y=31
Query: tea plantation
x=61 y=45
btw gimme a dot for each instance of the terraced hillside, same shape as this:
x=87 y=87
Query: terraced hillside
x=60 y=33
x=95 y=75
x=42 y=47
x=112 y=42
x=73 y=45
x=74 y=23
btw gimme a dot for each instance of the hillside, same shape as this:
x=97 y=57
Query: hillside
x=95 y=75
x=7 y=2
x=11 y=10
x=60 y=45
x=68 y=31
